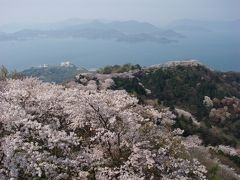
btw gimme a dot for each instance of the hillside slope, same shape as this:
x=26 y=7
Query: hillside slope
x=188 y=85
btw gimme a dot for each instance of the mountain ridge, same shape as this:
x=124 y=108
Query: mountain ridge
x=187 y=85
x=36 y=70
x=126 y=31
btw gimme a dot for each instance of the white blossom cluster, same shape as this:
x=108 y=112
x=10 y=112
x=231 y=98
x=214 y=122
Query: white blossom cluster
x=192 y=141
x=187 y=115
x=184 y=63
x=227 y=150
x=208 y=102
x=52 y=132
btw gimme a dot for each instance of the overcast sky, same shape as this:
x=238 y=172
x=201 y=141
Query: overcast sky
x=155 y=11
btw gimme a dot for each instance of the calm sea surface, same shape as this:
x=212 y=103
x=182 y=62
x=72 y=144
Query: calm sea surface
x=219 y=51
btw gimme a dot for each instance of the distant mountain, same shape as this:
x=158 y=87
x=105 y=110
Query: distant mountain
x=54 y=73
x=134 y=27
x=127 y=31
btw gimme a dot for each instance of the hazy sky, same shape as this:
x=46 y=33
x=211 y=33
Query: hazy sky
x=155 y=11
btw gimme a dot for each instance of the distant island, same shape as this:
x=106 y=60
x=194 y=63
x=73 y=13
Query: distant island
x=123 y=31
x=54 y=73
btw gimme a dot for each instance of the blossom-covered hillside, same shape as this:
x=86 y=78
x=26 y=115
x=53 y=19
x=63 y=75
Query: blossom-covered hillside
x=206 y=103
x=54 y=132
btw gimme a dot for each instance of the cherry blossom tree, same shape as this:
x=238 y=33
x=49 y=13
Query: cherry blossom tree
x=50 y=131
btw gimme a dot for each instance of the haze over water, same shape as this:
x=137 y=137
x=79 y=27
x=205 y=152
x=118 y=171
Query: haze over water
x=220 y=49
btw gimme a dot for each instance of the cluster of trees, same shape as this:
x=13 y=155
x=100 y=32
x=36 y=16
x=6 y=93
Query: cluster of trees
x=5 y=73
x=119 y=68
x=187 y=87
x=131 y=85
x=50 y=131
